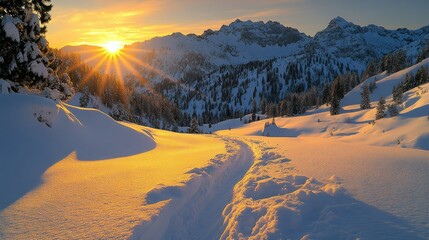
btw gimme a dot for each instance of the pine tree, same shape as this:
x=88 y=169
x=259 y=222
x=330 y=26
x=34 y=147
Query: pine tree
x=372 y=86
x=365 y=101
x=409 y=82
x=294 y=104
x=394 y=62
x=370 y=70
x=336 y=95
x=283 y=108
x=263 y=106
x=380 y=109
x=254 y=110
x=24 y=49
x=424 y=53
x=84 y=99
x=422 y=76
x=397 y=93
x=193 y=128
x=325 y=93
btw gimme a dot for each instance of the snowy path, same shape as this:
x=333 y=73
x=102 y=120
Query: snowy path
x=274 y=200
x=194 y=210
x=255 y=191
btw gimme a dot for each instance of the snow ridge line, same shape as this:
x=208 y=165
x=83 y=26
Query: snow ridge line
x=194 y=209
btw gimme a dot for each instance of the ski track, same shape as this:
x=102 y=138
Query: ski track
x=194 y=209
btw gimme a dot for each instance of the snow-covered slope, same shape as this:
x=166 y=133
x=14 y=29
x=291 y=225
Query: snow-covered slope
x=317 y=177
x=69 y=172
x=408 y=129
x=37 y=132
x=74 y=173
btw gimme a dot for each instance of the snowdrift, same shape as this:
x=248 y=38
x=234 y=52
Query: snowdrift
x=37 y=132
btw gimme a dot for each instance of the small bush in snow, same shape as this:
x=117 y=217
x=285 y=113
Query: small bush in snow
x=392 y=109
x=421 y=91
x=84 y=99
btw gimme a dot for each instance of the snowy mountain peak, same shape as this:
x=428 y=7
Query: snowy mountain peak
x=261 y=33
x=363 y=43
x=339 y=22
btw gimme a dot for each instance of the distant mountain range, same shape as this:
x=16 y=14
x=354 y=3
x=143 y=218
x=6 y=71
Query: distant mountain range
x=225 y=70
x=244 y=41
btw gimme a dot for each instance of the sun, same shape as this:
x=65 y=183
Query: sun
x=113 y=47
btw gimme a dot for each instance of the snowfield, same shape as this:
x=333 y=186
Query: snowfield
x=73 y=173
x=86 y=176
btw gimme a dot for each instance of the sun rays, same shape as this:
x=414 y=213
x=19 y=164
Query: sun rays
x=112 y=59
x=113 y=47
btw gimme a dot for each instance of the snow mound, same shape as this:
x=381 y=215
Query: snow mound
x=274 y=202
x=38 y=132
x=272 y=130
x=4 y=86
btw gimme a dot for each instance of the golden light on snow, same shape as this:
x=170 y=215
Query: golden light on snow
x=106 y=197
x=113 y=47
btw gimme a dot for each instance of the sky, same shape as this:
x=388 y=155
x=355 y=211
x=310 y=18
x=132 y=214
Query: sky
x=96 y=22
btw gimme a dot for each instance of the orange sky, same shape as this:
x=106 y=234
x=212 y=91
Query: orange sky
x=96 y=22
x=133 y=21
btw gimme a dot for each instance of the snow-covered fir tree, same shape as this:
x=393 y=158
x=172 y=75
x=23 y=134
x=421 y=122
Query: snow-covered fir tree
x=254 y=110
x=365 y=102
x=336 y=95
x=381 y=106
x=397 y=93
x=24 y=53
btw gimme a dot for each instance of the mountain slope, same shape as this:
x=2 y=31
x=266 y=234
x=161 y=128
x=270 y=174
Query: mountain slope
x=408 y=129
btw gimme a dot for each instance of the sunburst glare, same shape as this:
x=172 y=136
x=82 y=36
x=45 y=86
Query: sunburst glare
x=113 y=47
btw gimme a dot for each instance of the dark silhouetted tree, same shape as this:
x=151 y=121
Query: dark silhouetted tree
x=365 y=102
x=336 y=96
x=381 y=107
x=193 y=127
